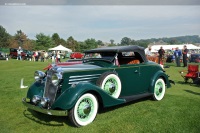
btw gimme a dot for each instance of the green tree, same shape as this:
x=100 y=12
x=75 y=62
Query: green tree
x=56 y=39
x=142 y=43
x=91 y=43
x=43 y=42
x=88 y=44
x=112 y=41
x=125 y=41
x=4 y=37
x=83 y=46
x=63 y=42
x=133 y=42
x=173 y=41
x=100 y=43
x=72 y=44
x=20 y=37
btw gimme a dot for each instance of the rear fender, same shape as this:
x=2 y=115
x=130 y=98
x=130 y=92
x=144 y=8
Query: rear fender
x=68 y=98
x=159 y=74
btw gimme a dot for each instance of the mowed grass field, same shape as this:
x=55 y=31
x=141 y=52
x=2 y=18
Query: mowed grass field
x=178 y=112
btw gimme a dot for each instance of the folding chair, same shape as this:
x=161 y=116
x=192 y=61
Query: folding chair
x=191 y=73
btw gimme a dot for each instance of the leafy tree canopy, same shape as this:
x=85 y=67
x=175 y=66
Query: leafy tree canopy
x=56 y=39
x=127 y=41
x=4 y=37
x=43 y=42
x=72 y=44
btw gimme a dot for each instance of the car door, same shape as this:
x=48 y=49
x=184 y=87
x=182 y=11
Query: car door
x=130 y=79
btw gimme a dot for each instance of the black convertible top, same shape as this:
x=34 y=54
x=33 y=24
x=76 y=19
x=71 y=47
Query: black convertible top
x=116 y=49
x=120 y=49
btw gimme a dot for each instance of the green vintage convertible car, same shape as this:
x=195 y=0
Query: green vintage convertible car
x=107 y=77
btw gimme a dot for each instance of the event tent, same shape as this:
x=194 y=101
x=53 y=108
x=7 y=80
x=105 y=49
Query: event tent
x=155 y=48
x=61 y=48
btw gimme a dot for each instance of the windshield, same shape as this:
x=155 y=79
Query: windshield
x=100 y=56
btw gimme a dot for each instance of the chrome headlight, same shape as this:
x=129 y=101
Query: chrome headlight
x=56 y=77
x=36 y=99
x=44 y=102
x=39 y=75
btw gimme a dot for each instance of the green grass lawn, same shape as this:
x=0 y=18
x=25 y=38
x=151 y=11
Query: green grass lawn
x=178 y=112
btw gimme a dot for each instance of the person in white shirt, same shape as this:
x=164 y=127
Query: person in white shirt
x=148 y=52
x=19 y=51
x=46 y=56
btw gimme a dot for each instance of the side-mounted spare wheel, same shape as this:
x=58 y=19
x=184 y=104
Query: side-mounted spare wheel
x=159 y=89
x=110 y=83
x=84 y=111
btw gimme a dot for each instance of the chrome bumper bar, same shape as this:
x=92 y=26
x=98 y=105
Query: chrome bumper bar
x=44 y=111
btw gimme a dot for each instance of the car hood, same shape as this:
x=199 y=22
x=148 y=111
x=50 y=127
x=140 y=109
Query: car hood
x=63 y=64
x=77 y=67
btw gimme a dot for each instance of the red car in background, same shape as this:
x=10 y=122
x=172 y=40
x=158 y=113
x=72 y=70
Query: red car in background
x=76 y=55
x=25 y=54
x=13 y=53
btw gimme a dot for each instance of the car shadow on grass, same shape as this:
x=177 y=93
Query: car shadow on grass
x=192 y=92
x=56 y=121
x=191 y=83
x=183 y=82
x=104 y=110
x=47 y=120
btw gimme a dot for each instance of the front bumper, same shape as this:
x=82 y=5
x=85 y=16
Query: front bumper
x=44 y=111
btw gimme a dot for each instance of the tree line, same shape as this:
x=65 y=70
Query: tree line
x=44 y=42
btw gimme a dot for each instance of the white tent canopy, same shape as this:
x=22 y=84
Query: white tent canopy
x=155 y=48
x=61 y=48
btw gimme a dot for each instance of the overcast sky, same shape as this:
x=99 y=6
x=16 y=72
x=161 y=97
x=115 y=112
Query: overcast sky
x=102 y=22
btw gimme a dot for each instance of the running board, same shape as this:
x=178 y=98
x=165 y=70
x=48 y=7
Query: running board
x=136 y=97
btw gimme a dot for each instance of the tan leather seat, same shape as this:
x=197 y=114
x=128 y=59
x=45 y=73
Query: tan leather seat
x=134 y=62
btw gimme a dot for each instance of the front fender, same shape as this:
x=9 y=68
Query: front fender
x=37 y=88
x=69 y=98
x=159 y=74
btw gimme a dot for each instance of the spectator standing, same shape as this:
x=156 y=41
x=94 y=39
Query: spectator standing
x=42 y=56
x=58 y=56
x=185 y=52
x=36 y=55
x=33 y=56
x=19 y=51
x=161 y=53
x=53 y=56
x=46 y=56
x=148 y=52
x=177 y=54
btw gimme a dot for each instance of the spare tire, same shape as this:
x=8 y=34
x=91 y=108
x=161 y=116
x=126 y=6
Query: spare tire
x=110 y=83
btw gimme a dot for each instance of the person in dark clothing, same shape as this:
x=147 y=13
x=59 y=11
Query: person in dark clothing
x=177 y=54
x=185 y=52
x=161 y=53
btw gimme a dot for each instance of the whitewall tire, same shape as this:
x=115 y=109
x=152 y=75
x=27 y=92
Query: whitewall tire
x=159 y=89
x=84 y=111
x=110 y=83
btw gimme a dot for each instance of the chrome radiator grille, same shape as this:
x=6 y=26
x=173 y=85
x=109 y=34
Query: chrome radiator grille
x=50 y=90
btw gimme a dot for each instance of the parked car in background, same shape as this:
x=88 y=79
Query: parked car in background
x=194 y=58
x=25 y=54
x=2 y=55
x=76 y=55
x=106 y=77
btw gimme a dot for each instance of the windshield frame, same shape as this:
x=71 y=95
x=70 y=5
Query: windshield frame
x=102 y=56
